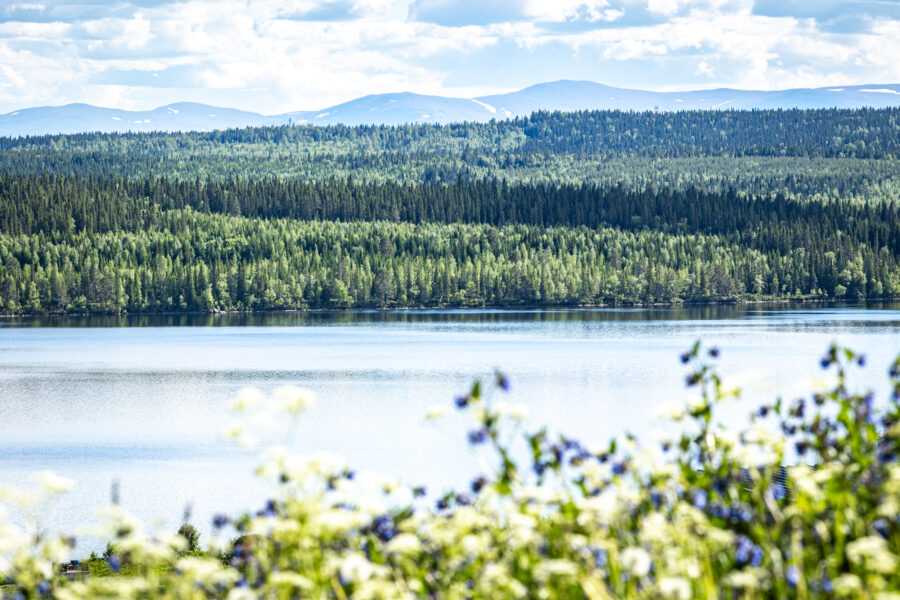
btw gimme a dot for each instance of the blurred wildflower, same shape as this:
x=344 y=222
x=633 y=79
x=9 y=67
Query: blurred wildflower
x=435 y=411
x=636 y=561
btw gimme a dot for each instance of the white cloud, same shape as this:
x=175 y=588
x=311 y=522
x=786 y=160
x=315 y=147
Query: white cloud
x=667 y=7
x=630 y=49
x=566 y=10
x=27 y=6
x=266 y=56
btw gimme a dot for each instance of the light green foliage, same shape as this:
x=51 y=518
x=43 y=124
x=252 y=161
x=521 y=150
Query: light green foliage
x=707 y=512
x=286 y=264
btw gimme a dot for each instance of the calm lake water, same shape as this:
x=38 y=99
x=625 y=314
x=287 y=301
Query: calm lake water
x=142 y=400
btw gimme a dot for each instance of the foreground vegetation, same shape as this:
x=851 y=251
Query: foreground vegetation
x=802 y=503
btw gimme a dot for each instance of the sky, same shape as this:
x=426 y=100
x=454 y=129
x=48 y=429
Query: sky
x=274 y=56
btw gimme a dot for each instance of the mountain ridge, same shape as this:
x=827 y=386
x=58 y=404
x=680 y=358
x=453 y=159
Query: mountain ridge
x=408 y=107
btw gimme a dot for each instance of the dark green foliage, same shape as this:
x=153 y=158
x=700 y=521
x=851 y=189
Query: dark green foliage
x=35 y=204
x=191 y=537
x=806 y=153
x=98 y=567
x=861 y=133
x=866 y=133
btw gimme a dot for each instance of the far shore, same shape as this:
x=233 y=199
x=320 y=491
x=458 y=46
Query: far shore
x=493 y=307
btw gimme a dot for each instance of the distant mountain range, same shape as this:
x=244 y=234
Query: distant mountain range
x=393 y=109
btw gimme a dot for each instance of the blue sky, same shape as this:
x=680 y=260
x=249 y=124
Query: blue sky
x=274 y=56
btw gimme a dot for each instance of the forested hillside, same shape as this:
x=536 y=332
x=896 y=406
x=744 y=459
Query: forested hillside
x=555 y=209
x=807 y=153
x=74 y=244
x=864 y=133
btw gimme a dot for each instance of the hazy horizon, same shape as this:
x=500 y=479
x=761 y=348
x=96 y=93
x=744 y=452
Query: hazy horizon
x=315 y=108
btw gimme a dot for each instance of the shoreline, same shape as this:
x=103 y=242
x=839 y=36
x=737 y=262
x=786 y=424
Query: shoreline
x=495 y=307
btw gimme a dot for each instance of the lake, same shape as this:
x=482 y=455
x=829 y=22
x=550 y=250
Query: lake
x=142 y=400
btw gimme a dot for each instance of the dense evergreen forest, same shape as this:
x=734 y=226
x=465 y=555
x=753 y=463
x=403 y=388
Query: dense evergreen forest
x=75 y=244
x=864 y=133
x=818 y=153
x=555 y=209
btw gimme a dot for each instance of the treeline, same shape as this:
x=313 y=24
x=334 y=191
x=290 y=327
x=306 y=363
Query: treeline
x=43 y=204
x=861 y=133
x=192 y=261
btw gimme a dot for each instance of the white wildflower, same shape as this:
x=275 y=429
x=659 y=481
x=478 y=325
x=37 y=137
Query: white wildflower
x=576 y=542
x=246 y=399
x=293 y=399
x=206 y=570
x=479 y=413
x=435 y=411
x=555 y=568
x=889 y=508
x=847 y=584
x=748 y=579
x=521 y=528
x=677 y=588
x=268 y=526
x=242 y=593
x=74 y=591
x=689 y=567
x=355 y=567
x=56 y=549
x=673 y=411
x=120 y=587
x=636 y=561
x=237 y=432
x=296 y=580
x=53 y=484
x=720 y=537
x=404 y=543
x=873 y=552
x=655 y=528
x=493 y=572
x=605 y=507
x=727 y=438
x=318 y=464
x=803 y=480
x=596 y=474
x=338 y=520
x=475 y=544
x=731 y=385
x=115 y=520
x=175 y=541
x=697 y=404
x=811 y=384
x=518 y=412
x=755 y=455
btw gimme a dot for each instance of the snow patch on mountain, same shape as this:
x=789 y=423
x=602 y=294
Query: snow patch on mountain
x=490 y=109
